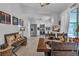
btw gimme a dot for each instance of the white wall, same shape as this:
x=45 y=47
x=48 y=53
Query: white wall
x=56 y=18
x=6 y=29
x=13 y=10
x=64 y=21
x=32 y=18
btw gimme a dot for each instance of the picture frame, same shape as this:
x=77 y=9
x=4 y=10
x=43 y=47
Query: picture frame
x=14 y=20
x=20 y=22
x=47 y=28
x=38 y=28
x=5 y=18
x=8 y=19
x=59 y=22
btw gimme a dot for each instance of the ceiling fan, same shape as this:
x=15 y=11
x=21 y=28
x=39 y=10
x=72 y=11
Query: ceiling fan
x=44 y=4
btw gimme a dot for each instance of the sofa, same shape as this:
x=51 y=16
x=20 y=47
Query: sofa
x=13 y=40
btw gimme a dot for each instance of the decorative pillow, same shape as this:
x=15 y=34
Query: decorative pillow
x=18 y=39
x=23 y=37
x=18 y=36
x=61 y=38
x=10 y=39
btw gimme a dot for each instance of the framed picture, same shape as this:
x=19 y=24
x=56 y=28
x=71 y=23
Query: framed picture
x=5 y=18
x=8 y=19
x=59 y=22
x=20 y=22
x=2 y=19
x=47 y=28
x=38 y=28
x=42 y=25
x=15 y=20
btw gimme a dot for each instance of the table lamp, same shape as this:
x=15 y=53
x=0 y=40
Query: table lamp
x=22 y=29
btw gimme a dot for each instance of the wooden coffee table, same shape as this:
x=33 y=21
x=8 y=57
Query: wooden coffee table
x=42 y=46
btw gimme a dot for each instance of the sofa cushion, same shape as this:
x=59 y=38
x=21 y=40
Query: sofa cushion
x=10 y=39
x=61 y=38
x=18 y=35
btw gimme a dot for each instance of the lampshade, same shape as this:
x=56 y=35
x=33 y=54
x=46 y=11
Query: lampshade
x=22 y=28
x=77 y=30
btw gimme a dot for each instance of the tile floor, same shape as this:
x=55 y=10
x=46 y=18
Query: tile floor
x=30 y=49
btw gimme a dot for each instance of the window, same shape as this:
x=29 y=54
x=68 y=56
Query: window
x=73 y=23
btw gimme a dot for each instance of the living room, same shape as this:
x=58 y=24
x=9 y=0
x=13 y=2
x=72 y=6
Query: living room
x=31 y=23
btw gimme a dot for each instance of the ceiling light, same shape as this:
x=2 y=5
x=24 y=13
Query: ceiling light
x=44 y=4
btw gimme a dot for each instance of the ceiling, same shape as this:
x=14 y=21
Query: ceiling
x=50 y=9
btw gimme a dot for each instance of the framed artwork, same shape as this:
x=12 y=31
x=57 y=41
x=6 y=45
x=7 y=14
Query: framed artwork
x=59 y=22
x=56 y=28
x=8 y=19
x=42 y=25
x=47 y=28
x=20 y=22
x=15 y=20
x=5 y=18
x=38 y=28
x=2 y=19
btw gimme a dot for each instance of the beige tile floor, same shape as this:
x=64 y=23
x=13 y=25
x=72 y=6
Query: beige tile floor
x=30 y=49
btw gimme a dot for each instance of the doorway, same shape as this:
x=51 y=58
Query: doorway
x=42 y=29
x=33 y=30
